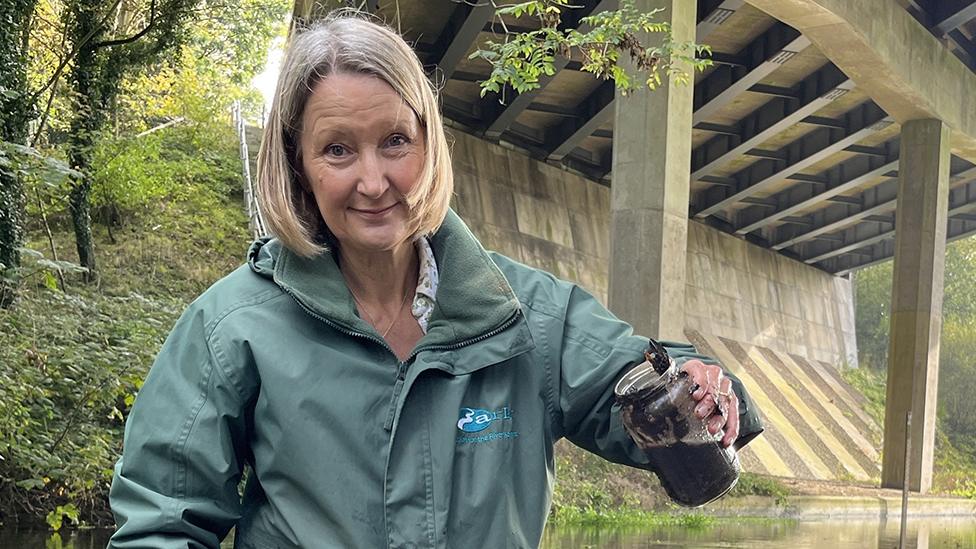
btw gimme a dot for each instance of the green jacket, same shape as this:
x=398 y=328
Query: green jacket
x=348 y=446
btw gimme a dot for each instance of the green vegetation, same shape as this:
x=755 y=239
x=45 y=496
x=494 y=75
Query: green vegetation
x=71 y=362
x=628 y=518
x=870 y=383
x=591 y=491
x=955 y=460
x=166 y=206
x=751 y=484
x=612 y=42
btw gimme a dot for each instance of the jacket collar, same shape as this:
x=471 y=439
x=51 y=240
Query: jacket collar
x=474 y=299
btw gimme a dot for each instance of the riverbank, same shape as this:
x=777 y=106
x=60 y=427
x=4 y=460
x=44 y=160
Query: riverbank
x=592 y=492
x=811 y=500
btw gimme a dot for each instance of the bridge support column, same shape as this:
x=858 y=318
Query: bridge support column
x=649 y=196
x=916 y=302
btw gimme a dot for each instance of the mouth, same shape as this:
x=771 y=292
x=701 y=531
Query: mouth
x=374 y=211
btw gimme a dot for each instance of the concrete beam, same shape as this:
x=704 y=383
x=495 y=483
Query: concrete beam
x=961 y=225
x=762 y=56
x=953 y=19
x=961 y=203
x=596 y=109
x=504 y=115
x=890 y=56
x=716 y=14
x=788 y=205
x=878 y=200
x=462 y=30
x=813 y=147
x=599 y=106
x=817 y=90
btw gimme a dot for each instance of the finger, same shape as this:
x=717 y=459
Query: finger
x=715 y=424
x=714 y=375
x=706 y=407
x=696 y=371
x=732 y=421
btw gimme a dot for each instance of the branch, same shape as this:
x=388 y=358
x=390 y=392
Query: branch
x=134 y=37
x=74 y=53
x=164 y=125
x=50 y=100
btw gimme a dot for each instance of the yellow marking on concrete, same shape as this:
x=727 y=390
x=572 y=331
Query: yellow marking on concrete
x=844 y=393
x=772 y=414
x=766 y=454
x=863 y=444
x=808 y=415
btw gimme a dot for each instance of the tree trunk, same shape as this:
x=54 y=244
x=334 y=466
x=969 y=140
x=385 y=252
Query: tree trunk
x=80 y=209
x=15 y=112
x=86 y=121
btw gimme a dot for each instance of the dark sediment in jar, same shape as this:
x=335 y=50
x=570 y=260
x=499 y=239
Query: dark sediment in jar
x=695 y=474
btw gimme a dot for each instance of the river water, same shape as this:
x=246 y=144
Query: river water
x=729 y=533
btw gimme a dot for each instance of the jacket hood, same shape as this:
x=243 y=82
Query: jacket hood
x=262 y=254
x=473 y=296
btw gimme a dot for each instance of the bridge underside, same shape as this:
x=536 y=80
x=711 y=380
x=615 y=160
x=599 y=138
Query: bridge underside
x=833 y=134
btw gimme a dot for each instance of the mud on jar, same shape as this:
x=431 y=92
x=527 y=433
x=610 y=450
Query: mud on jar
x=658 y=412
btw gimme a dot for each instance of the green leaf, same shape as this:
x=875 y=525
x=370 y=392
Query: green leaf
x=30 y=252
x=65 y=266
x=49 y=281
x=30 y=483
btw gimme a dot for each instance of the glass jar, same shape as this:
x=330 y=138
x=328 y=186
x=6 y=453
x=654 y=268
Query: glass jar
x=658 y=412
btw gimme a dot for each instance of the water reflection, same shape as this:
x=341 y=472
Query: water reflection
x=761 y=534
x=743 y=533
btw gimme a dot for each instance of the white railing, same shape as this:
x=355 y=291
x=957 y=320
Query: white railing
x=255 y=221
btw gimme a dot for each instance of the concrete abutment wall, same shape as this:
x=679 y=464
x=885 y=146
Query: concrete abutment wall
x=556 y=220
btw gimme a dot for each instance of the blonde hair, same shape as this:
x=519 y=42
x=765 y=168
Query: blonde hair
x=345 y=42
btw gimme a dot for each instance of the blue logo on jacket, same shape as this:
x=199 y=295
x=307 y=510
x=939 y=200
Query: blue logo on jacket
x=472 y=420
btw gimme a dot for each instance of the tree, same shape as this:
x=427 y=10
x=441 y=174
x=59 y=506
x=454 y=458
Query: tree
x=107 y=47
x=15 y=113
x=872 y=314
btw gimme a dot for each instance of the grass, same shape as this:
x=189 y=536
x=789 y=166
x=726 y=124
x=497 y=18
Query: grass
x=751 y=484
x=628 y=518
x=871 y=384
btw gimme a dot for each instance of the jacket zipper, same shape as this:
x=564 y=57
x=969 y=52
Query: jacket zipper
x=328 y=322
x=501 y=328
x=397 y=388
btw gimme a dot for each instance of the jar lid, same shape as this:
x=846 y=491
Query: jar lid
x=642 y=377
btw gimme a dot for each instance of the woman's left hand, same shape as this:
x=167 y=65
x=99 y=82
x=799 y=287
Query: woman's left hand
x=717 y=406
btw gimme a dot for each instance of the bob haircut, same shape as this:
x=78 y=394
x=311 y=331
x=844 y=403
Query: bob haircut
x=345 y=42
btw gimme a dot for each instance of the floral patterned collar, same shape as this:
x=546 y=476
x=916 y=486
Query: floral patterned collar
x=424 y=298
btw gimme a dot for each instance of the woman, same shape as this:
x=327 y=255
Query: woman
x=368 y=422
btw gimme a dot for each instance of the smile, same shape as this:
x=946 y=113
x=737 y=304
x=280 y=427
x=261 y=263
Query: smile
x=374 y=212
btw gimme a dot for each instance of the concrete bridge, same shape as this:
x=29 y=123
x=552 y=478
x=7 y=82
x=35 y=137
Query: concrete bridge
x=828 y=136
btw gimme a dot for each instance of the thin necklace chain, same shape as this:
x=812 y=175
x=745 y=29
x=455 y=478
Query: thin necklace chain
x=370 y=317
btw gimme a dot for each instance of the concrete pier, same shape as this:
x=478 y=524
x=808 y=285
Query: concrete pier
x=916 y=304
x=650 y=194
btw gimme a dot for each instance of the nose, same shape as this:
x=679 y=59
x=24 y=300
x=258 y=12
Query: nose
x=372 y=182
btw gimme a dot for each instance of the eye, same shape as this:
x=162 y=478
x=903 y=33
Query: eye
x=397 y=140
x=335 y=150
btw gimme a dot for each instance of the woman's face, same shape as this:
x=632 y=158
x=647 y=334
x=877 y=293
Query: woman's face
x=362 y=150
